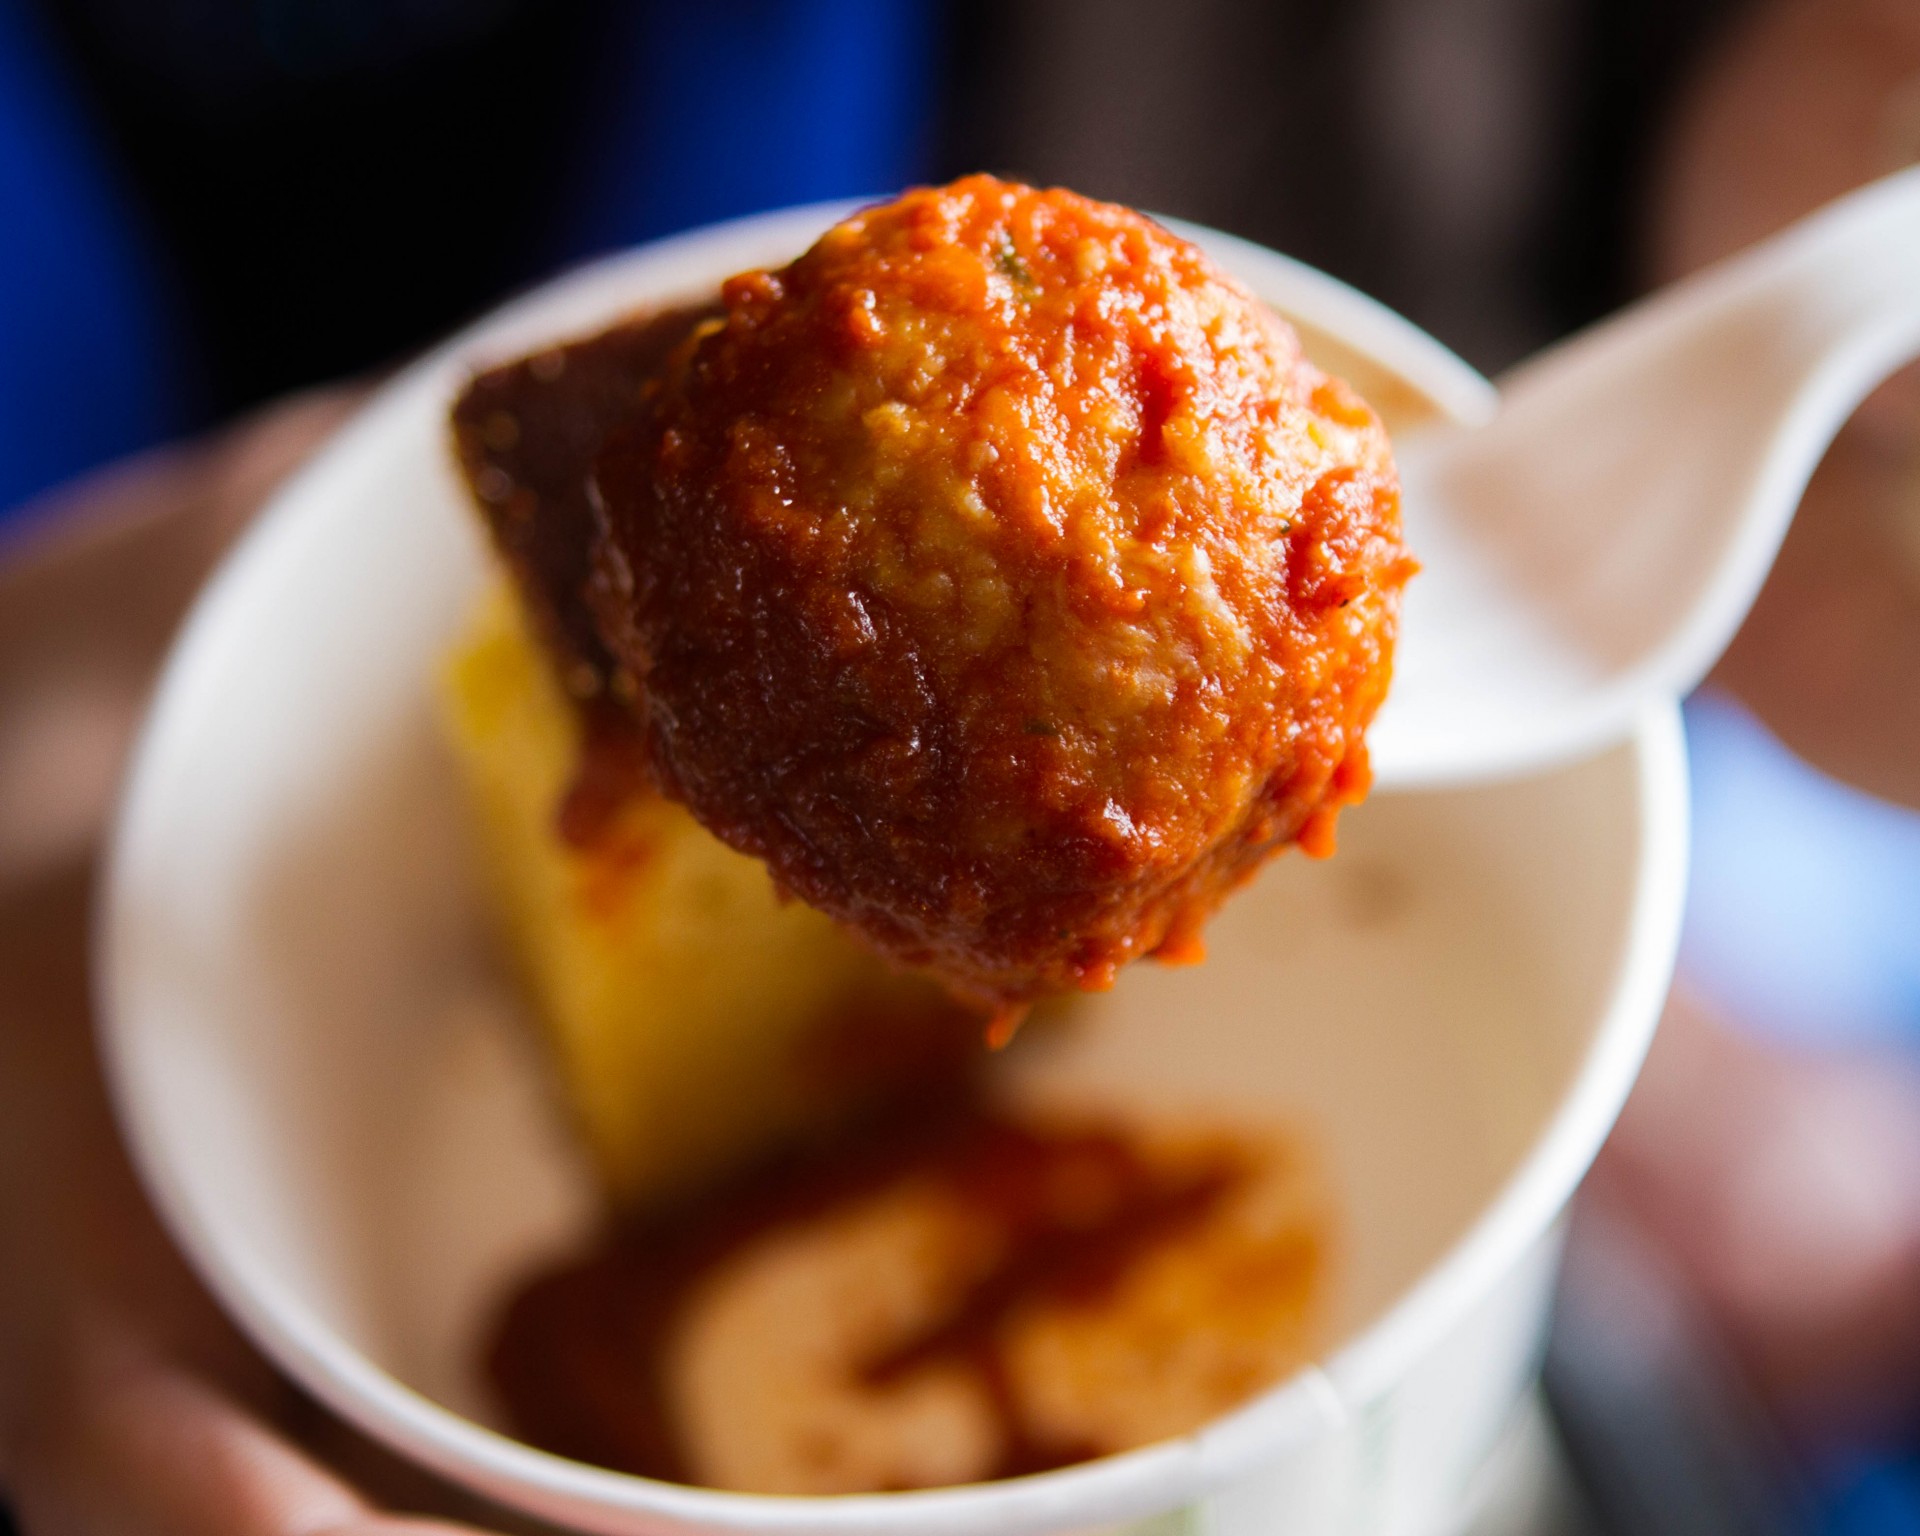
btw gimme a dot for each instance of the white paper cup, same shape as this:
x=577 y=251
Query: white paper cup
x=316 y=1064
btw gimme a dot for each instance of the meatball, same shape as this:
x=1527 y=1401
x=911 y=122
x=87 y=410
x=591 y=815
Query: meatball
x=1003 y=576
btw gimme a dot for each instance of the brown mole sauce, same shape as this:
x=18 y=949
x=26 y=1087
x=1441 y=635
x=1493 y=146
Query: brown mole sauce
x=579 y=1357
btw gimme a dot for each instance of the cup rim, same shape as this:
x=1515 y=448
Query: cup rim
x=1133 y=1484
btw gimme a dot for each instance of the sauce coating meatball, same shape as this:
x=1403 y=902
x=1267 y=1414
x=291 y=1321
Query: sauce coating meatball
x=1002 y=575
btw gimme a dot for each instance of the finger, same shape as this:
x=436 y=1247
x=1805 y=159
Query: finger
x=133 y=1446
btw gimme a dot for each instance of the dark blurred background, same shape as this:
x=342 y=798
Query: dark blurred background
x=205 y=204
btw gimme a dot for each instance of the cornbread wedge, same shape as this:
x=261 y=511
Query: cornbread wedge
x=695 y=1019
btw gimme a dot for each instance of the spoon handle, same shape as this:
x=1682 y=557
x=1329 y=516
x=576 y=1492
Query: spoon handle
x=1824 y=311
x=1848 y=280
x=1593 y=549
x=1794 y=334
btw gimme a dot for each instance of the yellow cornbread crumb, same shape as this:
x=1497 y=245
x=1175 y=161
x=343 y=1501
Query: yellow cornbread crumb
x=690 y=1012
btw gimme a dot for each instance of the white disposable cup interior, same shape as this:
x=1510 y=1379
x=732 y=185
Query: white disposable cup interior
x=335 y=1107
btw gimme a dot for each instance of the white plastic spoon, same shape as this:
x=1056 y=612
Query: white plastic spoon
x=1595 y=546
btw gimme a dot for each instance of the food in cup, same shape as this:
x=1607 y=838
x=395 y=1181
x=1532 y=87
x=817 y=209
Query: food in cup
x=367 y=1166
x=1001 y=580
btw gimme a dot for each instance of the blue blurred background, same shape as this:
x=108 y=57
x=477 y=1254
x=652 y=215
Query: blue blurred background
x=202 y=205
x=207 y=203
